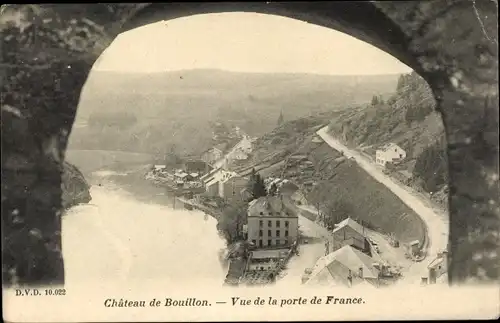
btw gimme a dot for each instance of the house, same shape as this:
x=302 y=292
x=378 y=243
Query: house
x=238 y=154
x=225 y=184
x=389 y=153
x=345 y=267
x=159 y=167
x=180 y=175
x=272 y=222
x=217 y=174
x=245 y=145
x=213 y=154
x=414 y=247
x=266 y=259
x=239 y=150
x=232 y=188
x=438 y=267
x=349 y=232
x=212 y=188
x=197 y=166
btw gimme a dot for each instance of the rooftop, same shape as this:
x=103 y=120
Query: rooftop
x=230 y=176
x=213 y=171
x=272 y=206
x=388 y=146
x=222 y=146
x=335 y=267
x=270 y=253
x=436 y=262
x=350 y=223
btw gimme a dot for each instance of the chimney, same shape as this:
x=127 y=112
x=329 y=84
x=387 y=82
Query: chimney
x=360 y=272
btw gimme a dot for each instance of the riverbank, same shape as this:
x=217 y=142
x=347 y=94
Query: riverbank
x=132 y=238
x=132 y=181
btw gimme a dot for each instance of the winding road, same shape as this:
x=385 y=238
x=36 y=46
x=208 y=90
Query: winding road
x=436 y=221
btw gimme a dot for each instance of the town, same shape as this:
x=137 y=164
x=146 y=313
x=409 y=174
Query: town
x=260 y=220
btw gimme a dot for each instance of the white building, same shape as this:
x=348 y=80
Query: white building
x=272 y=222
x=240 y=151
x=215 y=179
x=438 y=267
x=391 y=153
x=217 y=175
x=213 y=154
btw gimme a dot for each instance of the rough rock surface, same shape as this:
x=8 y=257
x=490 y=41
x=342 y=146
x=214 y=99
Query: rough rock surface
x=75 y=189
x=49 y=49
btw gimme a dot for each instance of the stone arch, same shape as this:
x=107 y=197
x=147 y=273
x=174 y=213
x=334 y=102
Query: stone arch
x=453 y=45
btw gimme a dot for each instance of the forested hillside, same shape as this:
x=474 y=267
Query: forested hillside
x=408 y=119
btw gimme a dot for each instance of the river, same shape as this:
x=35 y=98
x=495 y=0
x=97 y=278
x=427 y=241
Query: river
x=133 y=232
x=123 y=237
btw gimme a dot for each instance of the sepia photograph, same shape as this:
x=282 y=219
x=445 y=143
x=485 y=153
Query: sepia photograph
x=262 y=161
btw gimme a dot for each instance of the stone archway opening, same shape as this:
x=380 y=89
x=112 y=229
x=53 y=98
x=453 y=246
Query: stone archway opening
x=459 y=63
x=181 y=76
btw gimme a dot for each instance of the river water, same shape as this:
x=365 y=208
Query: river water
x=121 y=237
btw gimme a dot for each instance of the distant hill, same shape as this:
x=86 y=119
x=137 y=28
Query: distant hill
x=150 y=112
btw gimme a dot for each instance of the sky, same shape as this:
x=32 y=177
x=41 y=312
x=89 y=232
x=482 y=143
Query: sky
x=244 y=42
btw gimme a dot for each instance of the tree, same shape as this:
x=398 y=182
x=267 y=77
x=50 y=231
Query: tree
x=273 y=190
x=375 y=100
x=256 y=185
x=337 y=210
x=280 y=118
x=231 y=222
x=432 y=166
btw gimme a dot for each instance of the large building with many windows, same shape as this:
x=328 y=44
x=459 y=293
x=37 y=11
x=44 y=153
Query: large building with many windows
x=272 y=222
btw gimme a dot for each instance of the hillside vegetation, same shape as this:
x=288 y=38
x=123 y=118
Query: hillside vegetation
x=408 y=119
x=149 y=113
